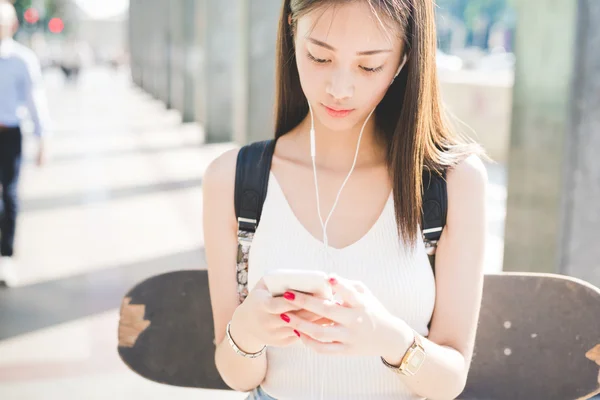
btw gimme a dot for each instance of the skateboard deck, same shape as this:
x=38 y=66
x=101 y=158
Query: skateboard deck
x=538 y=336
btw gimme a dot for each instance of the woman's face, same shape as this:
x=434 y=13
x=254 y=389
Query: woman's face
x=346 y=60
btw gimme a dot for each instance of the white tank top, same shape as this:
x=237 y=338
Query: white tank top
x=402 y=280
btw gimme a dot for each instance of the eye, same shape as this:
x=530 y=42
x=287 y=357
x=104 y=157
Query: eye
x=372 y=70
x=316 y=60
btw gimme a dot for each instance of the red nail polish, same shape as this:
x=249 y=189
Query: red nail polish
x=289 y=296
x=285 y=318
x=297 y=333
x=333 y=281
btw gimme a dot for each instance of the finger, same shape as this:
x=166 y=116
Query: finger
x=324 y=348
x=286 y=333
x=315 y=330
x=349 y=291
x=285 y=337
x=280 y=334
x=312 y=317
x=322 y=333
x=307 y=315
x=323 y=321
x=278 y=305
x=261 y=284
x=324 y=308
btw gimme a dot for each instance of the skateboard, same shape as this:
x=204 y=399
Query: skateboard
x=538 y=336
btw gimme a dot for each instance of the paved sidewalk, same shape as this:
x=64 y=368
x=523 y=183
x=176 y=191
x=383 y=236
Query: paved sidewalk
x=119 y=201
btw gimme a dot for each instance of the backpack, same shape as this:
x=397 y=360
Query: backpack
x=251 y=181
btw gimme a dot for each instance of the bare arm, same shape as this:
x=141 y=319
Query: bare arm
x=220 y=233
x=459 y=284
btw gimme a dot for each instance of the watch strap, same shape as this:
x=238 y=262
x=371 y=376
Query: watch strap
x=401 y=368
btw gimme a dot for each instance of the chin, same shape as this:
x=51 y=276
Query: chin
x=339 y=126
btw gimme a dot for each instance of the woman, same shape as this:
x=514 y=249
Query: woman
x=362 y=75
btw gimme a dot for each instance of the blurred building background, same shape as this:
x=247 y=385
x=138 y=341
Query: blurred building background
x=144 y=94
x=212 y=48
x=168 y=43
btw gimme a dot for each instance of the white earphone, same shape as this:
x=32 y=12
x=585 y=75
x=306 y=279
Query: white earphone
x=399 y=69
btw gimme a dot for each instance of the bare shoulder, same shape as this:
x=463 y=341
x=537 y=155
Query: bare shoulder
x=220 y=174
x=468 y=176
x=218 y=184
x=467 y=187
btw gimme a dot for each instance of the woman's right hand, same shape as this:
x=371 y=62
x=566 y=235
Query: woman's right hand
x=262 y=320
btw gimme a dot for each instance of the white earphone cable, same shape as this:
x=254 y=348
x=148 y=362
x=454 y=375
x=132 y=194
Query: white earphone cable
x=313 y=156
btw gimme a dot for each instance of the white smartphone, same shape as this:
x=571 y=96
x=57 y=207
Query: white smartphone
x=311 y=282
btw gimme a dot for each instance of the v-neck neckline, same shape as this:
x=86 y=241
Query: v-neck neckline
x=273 y=180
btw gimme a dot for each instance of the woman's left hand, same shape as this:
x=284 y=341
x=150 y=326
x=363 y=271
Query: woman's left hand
x=361 y=324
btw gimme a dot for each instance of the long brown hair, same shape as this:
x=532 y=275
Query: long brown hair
x=410 y=115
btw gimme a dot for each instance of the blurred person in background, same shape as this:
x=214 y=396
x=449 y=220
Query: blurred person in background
x=71 y=60
x=20 y=85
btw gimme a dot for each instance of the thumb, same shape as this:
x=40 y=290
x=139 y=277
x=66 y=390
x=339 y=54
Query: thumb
x=346 y=290
x=260 y=284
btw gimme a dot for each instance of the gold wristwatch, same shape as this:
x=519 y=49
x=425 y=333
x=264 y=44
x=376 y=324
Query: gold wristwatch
x=412 y=361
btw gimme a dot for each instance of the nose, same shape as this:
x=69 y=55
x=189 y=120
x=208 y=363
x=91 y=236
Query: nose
x=341 y=85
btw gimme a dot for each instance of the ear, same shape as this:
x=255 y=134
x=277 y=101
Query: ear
x=291 y=25
x=404 y=60
x=406 y=57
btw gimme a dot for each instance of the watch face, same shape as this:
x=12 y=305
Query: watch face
x=415 y=361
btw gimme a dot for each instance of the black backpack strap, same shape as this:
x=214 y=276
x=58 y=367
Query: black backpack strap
x=251 y=182
x=435 y=211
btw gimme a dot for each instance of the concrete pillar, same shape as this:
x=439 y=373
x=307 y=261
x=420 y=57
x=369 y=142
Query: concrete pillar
x=217 y=35
x=182 y=25
x=148 y=33
x=177 y=61
x=553 y=210
x=190 y=60
x=136 y=45
x=163 y=50
x=142 y=43
x=154 y=33
x=168 y=51
x=255 y=72
x=133 y=44
x=200 y=11
x=139 y=42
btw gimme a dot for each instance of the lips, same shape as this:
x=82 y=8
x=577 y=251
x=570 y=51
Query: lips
x=337 y=112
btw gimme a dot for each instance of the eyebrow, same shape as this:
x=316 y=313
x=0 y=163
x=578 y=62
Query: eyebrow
x=360 y=53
